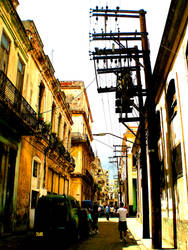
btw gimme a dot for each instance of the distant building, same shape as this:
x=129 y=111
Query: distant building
x=113 y=191
x=128 y=172
x=82 y=181
x=101 y=182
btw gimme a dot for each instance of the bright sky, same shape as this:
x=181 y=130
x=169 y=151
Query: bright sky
x=64 y=27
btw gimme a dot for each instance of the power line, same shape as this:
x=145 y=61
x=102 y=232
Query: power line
x=103 y=143
x=73 y=98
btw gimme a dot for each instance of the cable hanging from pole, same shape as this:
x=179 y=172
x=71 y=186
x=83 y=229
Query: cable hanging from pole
x=50 y=110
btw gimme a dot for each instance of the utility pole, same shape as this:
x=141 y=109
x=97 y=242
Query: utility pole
x=143 y=160
x=119 y=177
x=155 y=166
x=126 y=93
x=124 y=150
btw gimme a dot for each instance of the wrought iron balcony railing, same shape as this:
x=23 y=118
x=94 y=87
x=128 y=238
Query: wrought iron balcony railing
x=77 y=136
x=14 y=102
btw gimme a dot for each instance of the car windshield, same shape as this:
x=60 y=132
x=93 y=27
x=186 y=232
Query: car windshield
x=52 y=212
x=60 y=213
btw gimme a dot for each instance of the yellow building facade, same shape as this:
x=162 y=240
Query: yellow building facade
x=35 y=123
x=82 y=181
x=128 y=172
x=101 y=182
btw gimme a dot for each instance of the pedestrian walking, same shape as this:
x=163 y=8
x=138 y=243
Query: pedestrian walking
x=122 y=226
x=107 y=212
x=112 y=210
x=89 y=220
x=116 y=208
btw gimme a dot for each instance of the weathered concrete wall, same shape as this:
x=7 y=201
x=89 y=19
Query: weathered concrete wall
x=76 y=188
x=182 y=234
x=167 y=233
x=24 y=182
x=24 y=186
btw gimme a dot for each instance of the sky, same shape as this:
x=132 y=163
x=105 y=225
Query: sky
x=64 y=27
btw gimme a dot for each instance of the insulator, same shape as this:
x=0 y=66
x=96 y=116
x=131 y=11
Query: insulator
x=96 y=49
x=113 y=47
x=97 y=7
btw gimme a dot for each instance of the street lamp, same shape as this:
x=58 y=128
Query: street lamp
x=103 y=134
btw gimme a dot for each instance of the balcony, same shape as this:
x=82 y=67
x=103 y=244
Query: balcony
x=16 y=113
x=77 y=138
x=88 y=177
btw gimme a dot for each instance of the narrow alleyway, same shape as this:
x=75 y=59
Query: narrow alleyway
x=106 y=239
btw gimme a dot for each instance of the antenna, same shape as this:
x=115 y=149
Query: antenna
x=52 y=55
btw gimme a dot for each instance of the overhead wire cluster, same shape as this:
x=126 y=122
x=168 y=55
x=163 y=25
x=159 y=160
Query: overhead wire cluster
x=105 y=66
x=118 y=59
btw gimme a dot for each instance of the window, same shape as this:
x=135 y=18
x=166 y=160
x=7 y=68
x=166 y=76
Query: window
x=36 y=168
x=64 y=133
x=177 y=162
x=59 y=125
x=66 y=190
x=53 y=117
x=61 y=185
x=171 y=100
x=158 y=124
x=41 y=98
x=20 y=75
x=50 y=180
x=55 y=183
x=4 y=53
x=68 y=139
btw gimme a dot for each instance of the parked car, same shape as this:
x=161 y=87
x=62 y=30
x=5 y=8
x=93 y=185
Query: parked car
x=59 y=216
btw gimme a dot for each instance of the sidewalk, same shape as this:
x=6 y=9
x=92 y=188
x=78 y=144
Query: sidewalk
x=136 y=229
